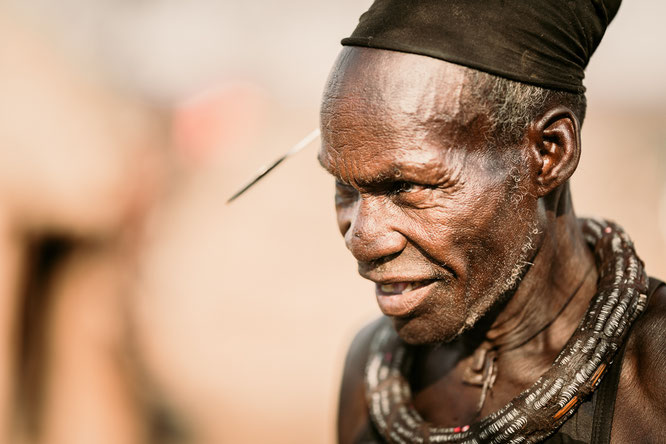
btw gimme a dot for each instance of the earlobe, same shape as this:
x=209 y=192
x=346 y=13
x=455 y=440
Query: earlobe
x=556 y=145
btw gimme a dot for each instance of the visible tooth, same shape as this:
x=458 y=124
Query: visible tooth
x=409 y=287
x=388 y=288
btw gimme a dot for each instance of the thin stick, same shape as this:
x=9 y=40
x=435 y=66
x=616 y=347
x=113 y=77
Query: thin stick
x=268 y=168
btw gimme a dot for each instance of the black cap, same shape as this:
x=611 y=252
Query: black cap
x=547 y=43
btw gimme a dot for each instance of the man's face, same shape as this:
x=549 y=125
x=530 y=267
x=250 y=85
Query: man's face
x=435 y=216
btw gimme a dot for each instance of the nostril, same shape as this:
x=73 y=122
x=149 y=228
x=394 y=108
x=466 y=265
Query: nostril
x=382 y=260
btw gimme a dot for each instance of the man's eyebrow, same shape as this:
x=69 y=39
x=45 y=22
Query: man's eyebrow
x=418 y=172
x=429 y=170
x=401 y=170
x=381 y=179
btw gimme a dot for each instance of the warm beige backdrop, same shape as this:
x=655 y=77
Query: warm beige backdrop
x=243 y=312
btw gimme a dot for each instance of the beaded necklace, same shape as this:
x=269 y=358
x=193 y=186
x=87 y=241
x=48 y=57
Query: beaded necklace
x=541 y=409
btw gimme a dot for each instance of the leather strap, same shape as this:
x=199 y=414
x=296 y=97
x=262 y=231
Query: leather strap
x=602 y=422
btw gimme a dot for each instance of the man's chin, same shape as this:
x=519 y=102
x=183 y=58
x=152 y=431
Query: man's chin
x=420 y=331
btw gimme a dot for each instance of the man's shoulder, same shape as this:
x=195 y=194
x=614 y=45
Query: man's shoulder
x=642 y=390
x=648 y=338
x=357 y=356
x=647 y=342
x=352 y=413
x=360 y=346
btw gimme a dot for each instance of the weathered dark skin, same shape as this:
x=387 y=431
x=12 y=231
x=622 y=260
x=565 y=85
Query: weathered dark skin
x=422 y=195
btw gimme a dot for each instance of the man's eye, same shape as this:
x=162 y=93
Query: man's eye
x=411 y=194
x=402 y=187
x=344 y=193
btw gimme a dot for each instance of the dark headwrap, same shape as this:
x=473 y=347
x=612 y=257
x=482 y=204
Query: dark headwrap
x=547 y=43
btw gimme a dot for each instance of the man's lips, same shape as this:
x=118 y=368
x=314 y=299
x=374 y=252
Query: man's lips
x=395 y=288
x=401 y=298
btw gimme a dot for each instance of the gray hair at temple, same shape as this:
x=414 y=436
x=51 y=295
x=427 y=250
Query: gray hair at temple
x=513 y=105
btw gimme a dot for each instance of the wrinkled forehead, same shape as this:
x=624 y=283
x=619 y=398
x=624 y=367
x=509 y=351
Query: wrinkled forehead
x=385 y=99
x=400 y=84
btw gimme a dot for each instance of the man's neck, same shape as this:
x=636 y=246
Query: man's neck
x=552 y=296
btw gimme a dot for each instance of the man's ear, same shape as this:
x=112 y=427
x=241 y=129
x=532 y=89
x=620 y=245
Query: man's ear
x=555 y=147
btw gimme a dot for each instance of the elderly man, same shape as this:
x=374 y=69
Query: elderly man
x=452 y=129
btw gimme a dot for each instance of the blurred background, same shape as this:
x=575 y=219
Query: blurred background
x=135 y=305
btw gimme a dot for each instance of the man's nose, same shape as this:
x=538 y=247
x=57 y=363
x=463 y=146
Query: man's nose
x=371 y=232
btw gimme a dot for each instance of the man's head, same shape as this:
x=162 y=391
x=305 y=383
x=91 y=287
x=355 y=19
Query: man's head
x=452 y=128
x=443 y=176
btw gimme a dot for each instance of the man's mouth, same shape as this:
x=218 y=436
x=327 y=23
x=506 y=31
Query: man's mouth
x=400 y=299
x=400 y=287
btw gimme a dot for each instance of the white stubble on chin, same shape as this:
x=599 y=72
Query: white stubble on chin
x=508 y=283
